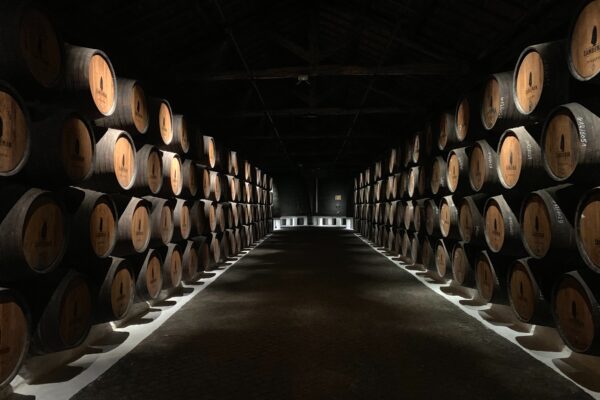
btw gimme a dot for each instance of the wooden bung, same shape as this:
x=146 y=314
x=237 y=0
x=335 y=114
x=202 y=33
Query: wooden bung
x=457 y=171
x=93 y=223
x=133 y=228
x=90 y=81
x=463 y=264
x=15 y=323
x=541 y=79
x=32 y=51
x=149 y=166
x=34 y=232
x=148 y=272
x=160 y=126
x=15 y=134
x=547 y=220
x=587 y=228
x=470 y=218
x=490 y=277
x=502 y=228
x=62 y=150
x=483 y=168
x=583 y=46
x=161 y=220
x=131 y=112
x=530 y=285
x=571 y=144
x=576 y=310
x=498 y=109
x=449 y=218
x=114 y=166
x=520 y=161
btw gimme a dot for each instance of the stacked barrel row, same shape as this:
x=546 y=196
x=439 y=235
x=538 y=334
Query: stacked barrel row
x=499 y=193
x=108 y=197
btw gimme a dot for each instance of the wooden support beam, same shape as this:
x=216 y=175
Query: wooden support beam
x=293 y=72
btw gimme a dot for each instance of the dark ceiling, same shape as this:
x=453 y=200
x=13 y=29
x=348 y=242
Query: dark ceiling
x=373 y=70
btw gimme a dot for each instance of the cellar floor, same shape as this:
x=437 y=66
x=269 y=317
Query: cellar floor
x=317 y=314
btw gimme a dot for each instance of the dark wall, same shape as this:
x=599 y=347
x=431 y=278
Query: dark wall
x=329 y=188
x=295 y=194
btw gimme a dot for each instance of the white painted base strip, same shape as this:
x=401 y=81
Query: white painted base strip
x=501 y=321
x=96 y=364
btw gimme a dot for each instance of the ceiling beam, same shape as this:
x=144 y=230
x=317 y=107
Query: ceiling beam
x=316 y=112
x=335 y=70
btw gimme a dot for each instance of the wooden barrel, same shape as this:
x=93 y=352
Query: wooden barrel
x=467 y=121
x=204 y=256
x=576 y=310
x=463 y=267
x=570 y=143
x=587 y=223
x=541 y=79
x=62 y=308
x=423 y=186
x=257 y=176
x=419 y=215
x=483 y=168
x=190 y=261
x=149 y=166
x=172 y=270
x=471 y=223
x=149 y=279
x=530 y=285
x=457 y=171
x=415 y=248
x=221 y=218
x=391 y=187
x=547 y=220
x=232 y=163
x=134 y=225
x=427 y=253
x=183 y=220
x=432 y=218
x=403 y=184
x=189 y=178
x=34 y=232
x=114 y=166
x=393 y=163
x=211 y=185
x=520 y=162
x=405 y=249
x=407 y=151
x=14 y=343
x=490 y=277
x=162 y=225
x=90 y=77
x=172 y=174
x=583 y=46
x=415 y=147
x=428 y=139
x=160 y=127
x=93 y=223
x=378 y=168
x=117 y=289
x=234 y=186
x=439 y=174
x=131 y=112
x=62 y=150
x=502 y=228
x=443 y=262
x=33 y=54
x=409 y=214
x=247 y=173
x=498 y=109
x=413 y=180
x=231 y=242
x=206 y=221
x=214 y=246
x=448 y=135
x=181 y=141
x=15 y=135
x=449 y=218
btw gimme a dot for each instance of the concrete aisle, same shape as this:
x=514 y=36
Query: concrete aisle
x=317 y=314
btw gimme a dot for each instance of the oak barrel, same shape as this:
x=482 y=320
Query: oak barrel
x=14 y=343
x=15 y=132
x=432 y=218
x=483 y=168
x=449 y=218
x=530 y=285
x=172 y=174
x=443 y=262
x=162 y=225
x=131 y=112
x=184 y=214
x=583 y=46
x=172 y=269
x=502 y=228
x=470 y=218
x=587 y=228
x=133 y=227
x=448 y=136
x=117 y=289
x=457 y=171
x=490 y=277
x=149 y=166
x=463 y=264
x=190 y=261
x=498 y=109
x=148 y=283
x=160 y=126
x=439 y=175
